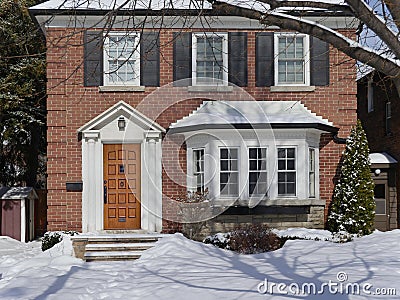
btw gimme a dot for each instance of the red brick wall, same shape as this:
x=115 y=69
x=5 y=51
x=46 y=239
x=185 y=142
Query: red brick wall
x=70 y=105
x=374 y=122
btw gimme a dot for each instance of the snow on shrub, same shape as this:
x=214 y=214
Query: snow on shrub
x=251 y=239
x=52 y=238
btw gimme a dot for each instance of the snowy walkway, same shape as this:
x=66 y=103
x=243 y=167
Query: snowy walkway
x=178 y=268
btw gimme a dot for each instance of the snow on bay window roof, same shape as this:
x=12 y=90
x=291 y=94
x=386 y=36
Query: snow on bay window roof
x=251 y=114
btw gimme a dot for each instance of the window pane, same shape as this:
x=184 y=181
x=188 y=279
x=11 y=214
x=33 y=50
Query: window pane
x=291 y=187
x=224 y=165
x=290 y=165
x=224 y=177
x=281 y=189
x=224 y=153
x=253 y=153
x=281 y=165
x=281 y=153
x=290 y=153
x=290 y=177
x=380 y=206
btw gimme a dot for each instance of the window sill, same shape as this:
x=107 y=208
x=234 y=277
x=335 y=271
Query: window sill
x=292 y=88
x=269 y=202
x=210 y=88
x=121 y=88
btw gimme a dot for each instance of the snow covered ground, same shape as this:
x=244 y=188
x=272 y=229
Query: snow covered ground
x=178 y=268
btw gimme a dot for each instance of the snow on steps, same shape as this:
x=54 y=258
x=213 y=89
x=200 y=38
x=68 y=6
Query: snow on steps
x=111 y=247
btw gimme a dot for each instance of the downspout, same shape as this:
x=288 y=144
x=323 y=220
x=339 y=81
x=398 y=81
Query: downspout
x=339 y=140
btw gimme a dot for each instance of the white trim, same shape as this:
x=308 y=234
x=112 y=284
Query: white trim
x=23 y=220
x=104 y=130
x=239 y=167
x=121 y=108
x=135 y=56
x=296 y=162
x=224 y=36
x=306 y=49
x=213 y=140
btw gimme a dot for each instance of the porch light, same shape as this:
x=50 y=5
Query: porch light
x=377 y=172
x=121 y=123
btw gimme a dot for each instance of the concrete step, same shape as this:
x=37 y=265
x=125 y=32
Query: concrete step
x=110 y=247
x=119 y=246
x=111 y=255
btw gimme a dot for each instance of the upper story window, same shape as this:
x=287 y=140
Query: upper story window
x=388 y=118
x=292 y=61
x=370 y=96
x=122 y=59
x=229 y=172
x=210 y=59
x=286 y=172
x=258 y=171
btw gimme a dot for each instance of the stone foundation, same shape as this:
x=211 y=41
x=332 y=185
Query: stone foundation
x=282 y=218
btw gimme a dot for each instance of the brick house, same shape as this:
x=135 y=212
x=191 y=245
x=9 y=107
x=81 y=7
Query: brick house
x=140 y=111
x=378 y=101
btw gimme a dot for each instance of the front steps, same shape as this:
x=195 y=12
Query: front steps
x=112 y=247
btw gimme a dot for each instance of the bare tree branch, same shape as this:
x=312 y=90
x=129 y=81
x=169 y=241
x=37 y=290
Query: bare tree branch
x=337 y=40
x=363 y=12
x=394 y=9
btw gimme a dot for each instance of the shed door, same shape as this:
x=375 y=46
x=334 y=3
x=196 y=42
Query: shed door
x=382 y=206
x=122 y=186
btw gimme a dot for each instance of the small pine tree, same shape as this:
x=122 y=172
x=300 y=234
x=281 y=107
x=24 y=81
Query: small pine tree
x=353 y=205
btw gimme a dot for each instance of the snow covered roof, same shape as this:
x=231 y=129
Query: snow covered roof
x=105 y=5
x=382 y=158
x=251 y=114
x=18 y=193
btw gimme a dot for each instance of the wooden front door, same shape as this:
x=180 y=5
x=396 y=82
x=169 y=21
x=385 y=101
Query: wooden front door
x=382 y=206
x=122 y=186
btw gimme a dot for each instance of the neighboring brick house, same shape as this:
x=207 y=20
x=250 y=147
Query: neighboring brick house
x=378 y=101
x=137 y=117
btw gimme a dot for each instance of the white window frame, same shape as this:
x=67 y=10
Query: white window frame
x=224 y=36
x=135 y=56
x=201 y=173
x=306 y=46
x=249 y=171
x=296 y=171
x=239 y=169
x=312 y=169
x=370 y=96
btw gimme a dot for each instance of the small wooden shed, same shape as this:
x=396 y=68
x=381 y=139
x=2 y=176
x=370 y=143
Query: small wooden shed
x=17 y=212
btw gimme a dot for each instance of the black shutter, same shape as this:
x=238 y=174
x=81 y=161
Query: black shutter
x=265 y=59
x=237 y=58
x=150 y=59
x=93 y=58
x=182 y=58
x=319 y=66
